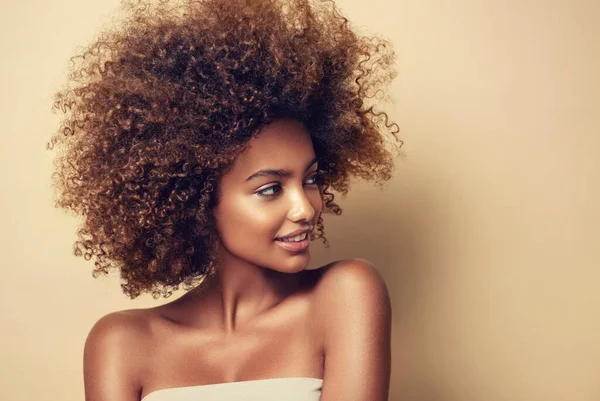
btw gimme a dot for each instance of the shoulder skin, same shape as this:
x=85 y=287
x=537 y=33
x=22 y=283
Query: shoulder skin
x=113 y=356
x=354 y=311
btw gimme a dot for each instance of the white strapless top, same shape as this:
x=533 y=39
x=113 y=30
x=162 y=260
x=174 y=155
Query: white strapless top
x=285 y=388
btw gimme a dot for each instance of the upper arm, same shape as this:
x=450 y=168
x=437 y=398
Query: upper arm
x=111 y=359
x=355 y=313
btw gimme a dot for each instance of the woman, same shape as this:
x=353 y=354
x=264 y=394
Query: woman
x=200 y=140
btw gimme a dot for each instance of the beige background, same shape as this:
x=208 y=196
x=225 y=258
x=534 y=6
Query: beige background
x=488 y=236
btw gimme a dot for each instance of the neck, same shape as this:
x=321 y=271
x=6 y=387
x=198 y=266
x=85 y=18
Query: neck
x=240 y=292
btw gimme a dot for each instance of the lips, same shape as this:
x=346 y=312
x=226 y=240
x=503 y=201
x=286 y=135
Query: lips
x=294 y=233
x=298 y=246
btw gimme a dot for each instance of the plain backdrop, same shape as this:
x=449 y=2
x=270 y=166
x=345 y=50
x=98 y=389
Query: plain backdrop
x=488 y=235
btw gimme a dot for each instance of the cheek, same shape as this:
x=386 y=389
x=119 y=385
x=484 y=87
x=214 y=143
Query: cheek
x=244 y=222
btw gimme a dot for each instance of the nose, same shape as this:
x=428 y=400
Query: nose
x=300 y=207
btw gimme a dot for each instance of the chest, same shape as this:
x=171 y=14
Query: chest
x=288 y=347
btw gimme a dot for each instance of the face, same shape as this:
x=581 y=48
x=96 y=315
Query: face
x=270 y=192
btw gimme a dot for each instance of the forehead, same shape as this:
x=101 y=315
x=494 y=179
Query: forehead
x=284 y=144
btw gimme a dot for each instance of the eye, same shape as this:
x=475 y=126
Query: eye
x=315 y=179
x=268 y=192
x=272 y=191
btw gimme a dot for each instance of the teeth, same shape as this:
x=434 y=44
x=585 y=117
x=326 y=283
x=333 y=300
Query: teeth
x=297 y=238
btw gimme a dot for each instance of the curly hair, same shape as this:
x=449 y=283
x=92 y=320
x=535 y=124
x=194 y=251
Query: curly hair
x=158 y=107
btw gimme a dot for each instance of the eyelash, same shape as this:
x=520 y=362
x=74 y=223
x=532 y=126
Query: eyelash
x=316 y=178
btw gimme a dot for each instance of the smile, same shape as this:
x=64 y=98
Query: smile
x=299 y=237
x=294 y=244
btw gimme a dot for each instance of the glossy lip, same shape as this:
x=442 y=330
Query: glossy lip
x=297 y=232
x=294 y=246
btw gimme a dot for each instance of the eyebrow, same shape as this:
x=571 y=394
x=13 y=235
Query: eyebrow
x=279 y=172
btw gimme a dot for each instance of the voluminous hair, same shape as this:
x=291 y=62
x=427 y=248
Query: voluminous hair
x=160 y=105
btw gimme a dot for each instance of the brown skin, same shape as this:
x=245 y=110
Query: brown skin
x=251 y=214
x=163 y=118
x=263 y=315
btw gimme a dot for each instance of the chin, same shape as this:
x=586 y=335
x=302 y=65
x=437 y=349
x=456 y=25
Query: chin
x=293 y=265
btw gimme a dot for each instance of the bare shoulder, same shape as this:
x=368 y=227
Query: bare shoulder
x=350 y=276
x=114 y=355
x=118 y=329
x=353 y=310
x=351 y=289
